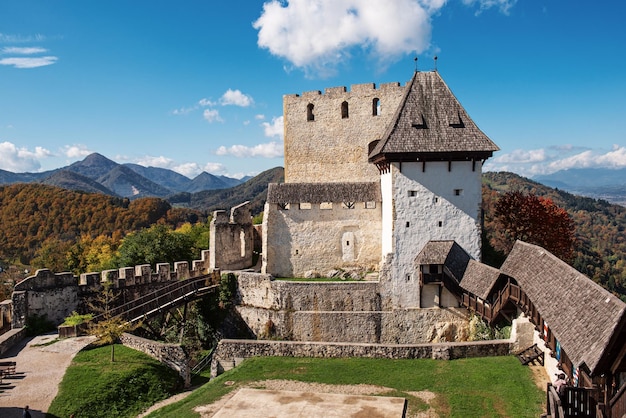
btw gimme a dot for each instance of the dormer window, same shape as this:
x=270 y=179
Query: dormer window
x=309 y=112
x=344 y=110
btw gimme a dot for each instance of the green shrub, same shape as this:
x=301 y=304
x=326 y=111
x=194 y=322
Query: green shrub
x=76 y=319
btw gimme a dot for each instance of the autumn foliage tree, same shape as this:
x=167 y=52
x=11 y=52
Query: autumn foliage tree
x=533 y=219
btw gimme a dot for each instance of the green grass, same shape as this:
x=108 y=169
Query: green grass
x=93 y=386
x=480 y=387
x=316 y=279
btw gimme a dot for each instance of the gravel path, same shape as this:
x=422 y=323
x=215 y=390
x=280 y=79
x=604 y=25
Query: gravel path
x=40 y=369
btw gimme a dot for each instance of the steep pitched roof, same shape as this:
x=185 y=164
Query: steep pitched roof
x=447 y=253
x=323 y=192
x=479 y=279
x=431 y=124
x=582 y=315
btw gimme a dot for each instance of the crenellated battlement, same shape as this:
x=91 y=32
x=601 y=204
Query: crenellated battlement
x=57 y=295
x=363 y=88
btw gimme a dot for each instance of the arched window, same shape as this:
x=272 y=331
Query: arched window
x=344 y=110
x=376 y=107
x=309 y=112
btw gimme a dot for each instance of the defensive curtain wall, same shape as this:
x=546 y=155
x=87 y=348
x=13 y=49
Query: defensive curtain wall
x=311 y=229
x=342 y=312
x=351 y=119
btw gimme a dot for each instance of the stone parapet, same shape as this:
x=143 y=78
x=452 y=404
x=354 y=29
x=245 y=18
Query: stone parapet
x=230 y=352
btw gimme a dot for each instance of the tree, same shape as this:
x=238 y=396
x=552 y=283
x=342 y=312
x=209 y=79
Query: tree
x=157 y=244
x=106 y=327
x=533 y=219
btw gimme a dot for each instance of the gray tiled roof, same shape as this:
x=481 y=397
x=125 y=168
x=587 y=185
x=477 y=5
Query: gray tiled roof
x=447 y=253
x=581 y=314
x=323 y=192
x=479 y=279
x=430 y=123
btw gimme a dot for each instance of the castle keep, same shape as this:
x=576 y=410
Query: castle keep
x=371 y=176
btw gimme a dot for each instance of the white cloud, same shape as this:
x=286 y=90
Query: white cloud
x=212 y=115
x=76 y=151
x=151 y=161
x=30 y=62
x=546 y=161
x=504 y=5
x=522 y=156
x=206 y=102
x=259 y=117
x=23 y=50
x=235 y=97
x=268 y=150
x=275 y=128
x=183 y=110
x=19 y=160
x=319 y=34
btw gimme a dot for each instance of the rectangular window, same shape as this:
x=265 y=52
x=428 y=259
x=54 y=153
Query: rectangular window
x=440 y=224
x=348 y=205
x=370 y=205
x=458 y=192
x=408 y=224
x=305 y=205
x=412 y=193
x=326 y=205
x=283 y=206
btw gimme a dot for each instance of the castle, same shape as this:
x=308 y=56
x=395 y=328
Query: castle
x=371 y=176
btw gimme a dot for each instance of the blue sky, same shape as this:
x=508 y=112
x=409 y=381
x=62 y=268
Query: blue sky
x=197 y=85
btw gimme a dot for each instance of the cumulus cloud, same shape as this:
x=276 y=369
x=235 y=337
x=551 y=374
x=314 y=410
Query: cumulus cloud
x=212 y=115
x=552 y=159
x=236 y=98
x=317 y=35
x=320 y=34
x=76 y=151
x=268 y=150
x=206 y=102
x=190 y=169
x=19 y=160
x=275 y=128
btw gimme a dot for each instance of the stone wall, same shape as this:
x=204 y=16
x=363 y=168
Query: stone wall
x=11 y=338
x=6 y=312
x=172 y=355
x=340 y=312
x=312 y=238
x=57 y=295
x=338 y=141
x=232 y=239
x=231 y=352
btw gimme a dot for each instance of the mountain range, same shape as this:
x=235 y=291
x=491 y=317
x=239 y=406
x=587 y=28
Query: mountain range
x=598 y=183
x=96 y=173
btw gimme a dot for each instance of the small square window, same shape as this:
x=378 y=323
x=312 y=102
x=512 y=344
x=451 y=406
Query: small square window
x=458 y=192
x=412 y=193
x=370 y=205
x=440 y=224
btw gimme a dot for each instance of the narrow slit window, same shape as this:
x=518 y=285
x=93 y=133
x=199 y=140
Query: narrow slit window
x=309 y=112
x=376 y=107
x=458 y=192
x=344 y=110
x=412 y=193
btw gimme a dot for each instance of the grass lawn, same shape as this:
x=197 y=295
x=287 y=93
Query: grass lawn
x=95 y=387
x=478 y=387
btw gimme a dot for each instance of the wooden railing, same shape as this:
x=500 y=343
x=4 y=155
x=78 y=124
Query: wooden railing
x=617 y=404
x=574 y=403
x=169 y=296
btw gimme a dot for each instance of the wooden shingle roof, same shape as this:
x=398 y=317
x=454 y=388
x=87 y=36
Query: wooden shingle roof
x=430 y=124
x=447 y=253
x=479 y=279
x=582 y=315
x=323 y=192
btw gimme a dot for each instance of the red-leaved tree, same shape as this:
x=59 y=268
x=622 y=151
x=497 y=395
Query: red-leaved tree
x=533 y=219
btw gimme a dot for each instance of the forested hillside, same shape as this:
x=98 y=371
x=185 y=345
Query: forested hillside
x=600 y=251
x=31 y=213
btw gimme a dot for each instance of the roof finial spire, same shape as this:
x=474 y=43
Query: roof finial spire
x=435 y=58
x=415 y=59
